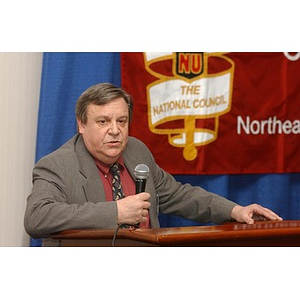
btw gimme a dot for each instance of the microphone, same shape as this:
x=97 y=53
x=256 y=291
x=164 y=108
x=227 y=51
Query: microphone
x=141 y=173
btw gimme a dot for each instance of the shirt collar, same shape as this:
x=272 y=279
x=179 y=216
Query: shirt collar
x=104 y=168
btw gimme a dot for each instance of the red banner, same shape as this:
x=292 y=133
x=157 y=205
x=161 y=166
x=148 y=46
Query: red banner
x=216 y=113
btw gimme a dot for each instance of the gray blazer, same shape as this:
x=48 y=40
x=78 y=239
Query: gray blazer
x=68 y=192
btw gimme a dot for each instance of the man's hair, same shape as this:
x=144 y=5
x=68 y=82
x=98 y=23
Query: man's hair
x=101 y=94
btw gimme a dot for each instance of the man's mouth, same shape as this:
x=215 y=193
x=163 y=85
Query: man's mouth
x=113 y=143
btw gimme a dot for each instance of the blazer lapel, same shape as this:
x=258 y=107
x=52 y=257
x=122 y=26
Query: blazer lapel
x=92 y=183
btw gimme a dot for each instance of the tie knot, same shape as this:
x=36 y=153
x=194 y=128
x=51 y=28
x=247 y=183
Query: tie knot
x=114 y=168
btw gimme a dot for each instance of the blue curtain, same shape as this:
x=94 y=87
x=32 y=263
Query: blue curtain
x=66 y=75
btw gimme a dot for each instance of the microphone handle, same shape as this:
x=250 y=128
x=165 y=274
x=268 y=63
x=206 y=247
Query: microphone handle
x=140 y=185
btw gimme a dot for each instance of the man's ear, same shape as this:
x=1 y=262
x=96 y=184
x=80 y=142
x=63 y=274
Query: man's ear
x=80 y=126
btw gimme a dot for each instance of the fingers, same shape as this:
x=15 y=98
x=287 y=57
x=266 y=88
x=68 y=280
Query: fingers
x=144 y=216
x=248 y=218
x=145 y=206
x=253 y=212
x=133 y=209
x=262 y=213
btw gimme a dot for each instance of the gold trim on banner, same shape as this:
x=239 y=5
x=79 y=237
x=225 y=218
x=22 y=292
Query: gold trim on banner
x=188 y=96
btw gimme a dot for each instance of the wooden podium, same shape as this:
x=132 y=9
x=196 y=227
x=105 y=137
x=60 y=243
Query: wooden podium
x=267 y=233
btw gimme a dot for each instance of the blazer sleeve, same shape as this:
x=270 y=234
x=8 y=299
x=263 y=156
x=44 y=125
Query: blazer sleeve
x=190 y=202
x=58 y=201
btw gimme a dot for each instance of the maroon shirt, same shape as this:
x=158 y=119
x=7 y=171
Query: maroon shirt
x=128 y=183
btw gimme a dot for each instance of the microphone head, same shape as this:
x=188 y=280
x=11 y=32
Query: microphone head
x=141 y=171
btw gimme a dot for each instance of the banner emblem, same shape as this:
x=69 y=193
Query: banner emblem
x=189 y=65
x=186 y=103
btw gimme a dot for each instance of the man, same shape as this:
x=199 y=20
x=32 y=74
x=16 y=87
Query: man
x=72 y=187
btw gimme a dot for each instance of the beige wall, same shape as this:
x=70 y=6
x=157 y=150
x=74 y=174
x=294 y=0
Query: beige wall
x=20 y=75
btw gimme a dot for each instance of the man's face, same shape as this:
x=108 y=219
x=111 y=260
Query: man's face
x=105 y=133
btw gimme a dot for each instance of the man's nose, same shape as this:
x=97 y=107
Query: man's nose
x=114 y=129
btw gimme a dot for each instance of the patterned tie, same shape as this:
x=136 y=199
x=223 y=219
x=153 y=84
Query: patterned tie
x=116 y=182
